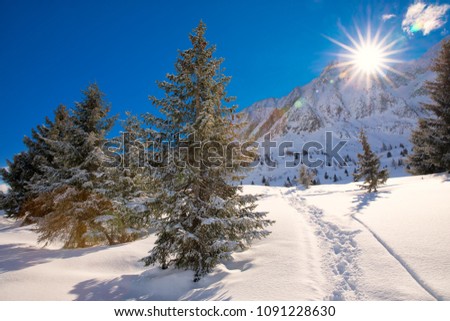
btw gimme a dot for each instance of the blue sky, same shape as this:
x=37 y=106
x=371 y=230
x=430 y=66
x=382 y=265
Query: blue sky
x=51 y=50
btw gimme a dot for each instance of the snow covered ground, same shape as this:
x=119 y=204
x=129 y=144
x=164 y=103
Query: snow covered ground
x=331 y=242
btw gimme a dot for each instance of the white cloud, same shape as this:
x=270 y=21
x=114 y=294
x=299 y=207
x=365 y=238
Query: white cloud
x=424 y=17
x=3 y=188
x=388 y=16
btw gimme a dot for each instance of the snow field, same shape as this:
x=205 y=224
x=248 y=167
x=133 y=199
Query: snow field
x=330 y=242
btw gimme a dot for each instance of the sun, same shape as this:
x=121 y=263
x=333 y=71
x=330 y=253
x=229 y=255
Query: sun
x=368 y=58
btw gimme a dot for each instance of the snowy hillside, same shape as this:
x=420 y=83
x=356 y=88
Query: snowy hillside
x=387 y=111
x=331 y=242
x=3 y=188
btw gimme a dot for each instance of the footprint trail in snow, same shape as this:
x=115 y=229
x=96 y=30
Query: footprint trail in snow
x=340 y=252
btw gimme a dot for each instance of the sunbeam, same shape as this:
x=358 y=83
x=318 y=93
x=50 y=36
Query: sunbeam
x=368 y=58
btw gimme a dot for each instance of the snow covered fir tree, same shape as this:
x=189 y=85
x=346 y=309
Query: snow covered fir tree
x=26 y=174
x=369 y=167
x=202 y=216
x=431 y=150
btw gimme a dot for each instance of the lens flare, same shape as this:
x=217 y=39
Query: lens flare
x=368 y=58
x=416 y=27
x=299 y=103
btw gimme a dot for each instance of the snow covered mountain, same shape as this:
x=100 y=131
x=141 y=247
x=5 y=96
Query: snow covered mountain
x=387 y=110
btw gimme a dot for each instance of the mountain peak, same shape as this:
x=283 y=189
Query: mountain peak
x=331 y=100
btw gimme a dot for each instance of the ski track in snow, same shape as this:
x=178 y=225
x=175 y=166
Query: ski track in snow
x=341 y=251
x=402 y=262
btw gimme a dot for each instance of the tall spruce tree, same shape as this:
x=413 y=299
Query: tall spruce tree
x=368 y=167
x=202 y=216
x=431 y=150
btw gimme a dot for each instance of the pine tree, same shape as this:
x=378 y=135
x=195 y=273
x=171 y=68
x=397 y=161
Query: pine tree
x=91 y=124
x=76 y=187
x=288 y=182
x=369 y=167
x=394 y=163
x=305 y=176
x=17 y=175
x=202 y=217
x=420 y=160
x=2 y=199
x=431 y=140
x=46 y=145
x=28 y=168
x=130 y=184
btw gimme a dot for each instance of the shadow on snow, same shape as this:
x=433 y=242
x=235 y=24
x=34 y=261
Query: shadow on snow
x=15 y=257
x=153 y=285
x=363 y=200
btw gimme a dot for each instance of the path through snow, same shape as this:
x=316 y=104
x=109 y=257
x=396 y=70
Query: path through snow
x=339 y=251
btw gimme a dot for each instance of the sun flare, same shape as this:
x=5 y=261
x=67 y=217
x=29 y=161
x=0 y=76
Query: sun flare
x=369 y=57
